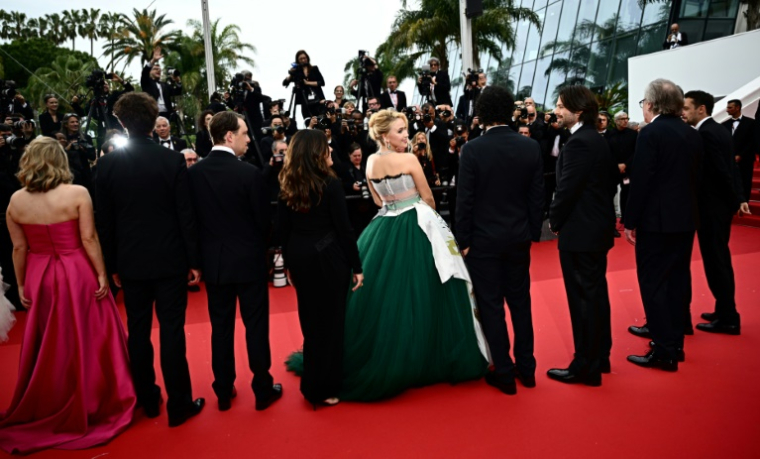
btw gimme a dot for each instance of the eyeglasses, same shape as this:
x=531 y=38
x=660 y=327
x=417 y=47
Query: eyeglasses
x=641 y=103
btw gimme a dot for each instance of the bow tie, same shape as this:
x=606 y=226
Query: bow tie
x=392 y=92
x=735 y=120
x=166 y=143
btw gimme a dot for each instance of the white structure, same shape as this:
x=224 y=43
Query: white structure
x=725 y=67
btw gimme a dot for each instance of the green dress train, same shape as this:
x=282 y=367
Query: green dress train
x=413 y=323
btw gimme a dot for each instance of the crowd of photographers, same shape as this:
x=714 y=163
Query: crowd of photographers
x=437 y=128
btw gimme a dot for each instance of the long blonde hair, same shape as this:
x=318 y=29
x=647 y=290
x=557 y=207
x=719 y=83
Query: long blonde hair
x=44 y=165
x=428 y=150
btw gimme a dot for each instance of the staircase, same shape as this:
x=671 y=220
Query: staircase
x=754 y=203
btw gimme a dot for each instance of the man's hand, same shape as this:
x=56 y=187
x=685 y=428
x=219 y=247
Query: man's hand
x=20 y=98
x=743 y=209
x=75 y=100
x=116 y=280
x=630 y=236
x=312 y=122
x=738 y=158
x=464 y=252
x=248 y=86
x=622 y=168
x=194 y=276
x=157 y=56
x=117 y=78
x=353 y=83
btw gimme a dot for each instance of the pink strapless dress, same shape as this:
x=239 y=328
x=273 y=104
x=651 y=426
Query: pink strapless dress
x=74 y=388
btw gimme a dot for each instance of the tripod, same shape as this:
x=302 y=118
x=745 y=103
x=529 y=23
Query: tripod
x=98 y=102
x=292 y=104
x=363 y=90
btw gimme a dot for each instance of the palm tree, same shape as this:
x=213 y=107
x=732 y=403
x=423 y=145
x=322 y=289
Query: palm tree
x=140 y=35
x=64 y=76
x=56 y=29
x=72 y=21
x=109 y=27
x=228 y=49
x=613 y=98
x=90 y=26
x=15 y=26
x=434 y=27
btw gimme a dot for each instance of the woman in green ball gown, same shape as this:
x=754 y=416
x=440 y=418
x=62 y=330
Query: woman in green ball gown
x=414 y=323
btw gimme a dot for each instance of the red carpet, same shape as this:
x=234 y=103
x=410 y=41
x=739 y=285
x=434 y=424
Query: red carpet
x=708 y=409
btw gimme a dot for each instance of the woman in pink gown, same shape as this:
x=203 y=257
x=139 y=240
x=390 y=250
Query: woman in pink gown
x=74 y=388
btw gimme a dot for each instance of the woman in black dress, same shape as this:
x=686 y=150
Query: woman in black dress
x=308 y=82
x=320 y=254
x=203 y=142
x=50 y=119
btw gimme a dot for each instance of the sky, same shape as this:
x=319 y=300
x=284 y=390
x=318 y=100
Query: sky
x=331 y=31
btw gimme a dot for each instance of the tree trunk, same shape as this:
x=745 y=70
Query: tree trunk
x=92 y=44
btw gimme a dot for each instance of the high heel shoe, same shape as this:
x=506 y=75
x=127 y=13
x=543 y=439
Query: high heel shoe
x=332 y=401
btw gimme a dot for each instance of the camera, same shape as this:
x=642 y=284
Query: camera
x=14 y=142
x=460 y=141
x=427 y=117
x=552 y=118
x=422 y=146
x=20 y=124
x=269 y=130
x=97 y=79
x=443 y=113
x=523 y=111
x=471 y=77
x=426 y=79
x=8 y=89
x=238 y=82
x=172 y=72
x=323 y=122
x=363 y=188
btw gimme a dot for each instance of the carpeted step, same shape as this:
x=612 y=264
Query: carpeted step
x=754 y=207
x=755 y=194
x=748 y=220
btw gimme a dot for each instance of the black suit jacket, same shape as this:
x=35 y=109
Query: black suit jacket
x=442 y=89
x=665 y=178
x=721 y=190
x=500 y=192
x=145 y=216
x=583 y=211
x=385 y=100
x=684 y=41
x=745 y=139
x=233 y=218
x=150 y=86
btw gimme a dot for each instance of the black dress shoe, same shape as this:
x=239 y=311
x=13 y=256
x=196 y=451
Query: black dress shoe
x=262 y=404
x=154 y=409
x=502 y=383
x=720 y=326
x=616 y=233
x=604 y=366
x=225 y=403
x=650 y=360
x=680 y=354
x=527 y=380
x=192 y=409
x=570 y=377
x=709 y=316
x=642 y=332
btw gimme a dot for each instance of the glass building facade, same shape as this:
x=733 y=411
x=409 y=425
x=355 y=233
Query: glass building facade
x=589 y=42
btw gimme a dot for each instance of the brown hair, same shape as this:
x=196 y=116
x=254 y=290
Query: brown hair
x=44 y=165
x=202 y=119
x=305 y=170
x=137 y=111
x=221 y=124
x=577 y=98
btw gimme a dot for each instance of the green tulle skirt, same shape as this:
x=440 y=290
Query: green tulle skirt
x=403 y=327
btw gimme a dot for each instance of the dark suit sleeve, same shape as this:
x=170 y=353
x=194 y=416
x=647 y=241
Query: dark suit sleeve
x=145 y=79
x=186 y=213
x=105 y=219
x=715 y=160
x=339 y=214
x=316 y=75
x=577 y=163
x=442 y=82
x=466 y=181
x=644 y=168
x=283 y=228
x=536 y=198
x=260 y=203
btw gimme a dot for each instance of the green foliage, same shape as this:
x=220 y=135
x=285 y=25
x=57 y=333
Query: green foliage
x=28 y=55
x=138 y=35
x=64 y=75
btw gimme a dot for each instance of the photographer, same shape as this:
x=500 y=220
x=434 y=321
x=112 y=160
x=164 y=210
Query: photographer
x=424 y=154
x=79 y=149
x=475 y=82
x=535 y=124
x=275 y=132
x=307 y=81
x=103 y=92
x=18 y=105
x=437 y=136
x=438 y=82
x=392 y=97
x=203 y=143
x=361 y=208
x=369 y=82
x=215 y=104
x=150 y=81
x=246 y=97
x=551 y=144
x=50 y=119
x=354 y=130
x=10 y=154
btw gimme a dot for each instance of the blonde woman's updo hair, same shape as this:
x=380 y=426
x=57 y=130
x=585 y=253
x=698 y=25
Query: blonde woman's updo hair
x=380 y=123
x=44 y=165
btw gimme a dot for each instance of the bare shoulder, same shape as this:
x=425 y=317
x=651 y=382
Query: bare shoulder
x=18 y=198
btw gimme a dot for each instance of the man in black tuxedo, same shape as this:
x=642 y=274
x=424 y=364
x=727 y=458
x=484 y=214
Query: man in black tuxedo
x=623 y=144
x=720 y=197
x=661 y=218
x=392 y=97
x=583 y=214
x=233 y=212
x=743 y=129
x=150 y=243
x=165 y=138
x=554 y=139
x=441 y=83
x=438 y=138
x=499 y=207
x=162 y=92
x=472 y=90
